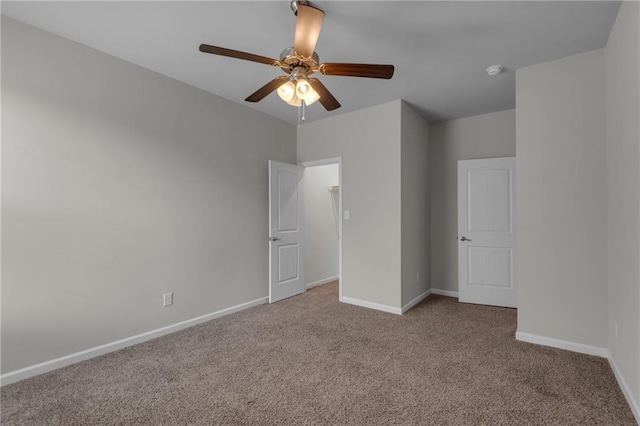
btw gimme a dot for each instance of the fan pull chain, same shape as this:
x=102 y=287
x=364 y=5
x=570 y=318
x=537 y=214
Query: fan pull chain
x=301 y=113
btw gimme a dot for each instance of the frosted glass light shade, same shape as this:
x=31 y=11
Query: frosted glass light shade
x=303 y=88
x=287 y=91
x=305 y=91
x=295 y=101
x=312 y=96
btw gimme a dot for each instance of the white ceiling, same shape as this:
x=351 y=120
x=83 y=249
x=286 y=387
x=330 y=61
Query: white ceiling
x=440 y=49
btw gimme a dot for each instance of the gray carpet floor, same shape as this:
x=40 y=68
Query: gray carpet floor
x=313 y=360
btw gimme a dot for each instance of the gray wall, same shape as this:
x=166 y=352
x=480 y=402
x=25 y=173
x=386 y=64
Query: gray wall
x=622 y=56
x=415 y=204
x=118 y=185
x=481 y=136
x=320 y=223
x=561 y=231
x=369 y=143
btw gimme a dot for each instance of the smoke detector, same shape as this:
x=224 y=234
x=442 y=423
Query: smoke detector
x=495 y=70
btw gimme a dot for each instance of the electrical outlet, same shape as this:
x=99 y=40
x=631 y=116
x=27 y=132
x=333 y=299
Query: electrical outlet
x=167 y=299
x=615 y=326
x=418 y=277
x=346 y=215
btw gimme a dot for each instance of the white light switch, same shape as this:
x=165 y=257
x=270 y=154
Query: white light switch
x=346 y=215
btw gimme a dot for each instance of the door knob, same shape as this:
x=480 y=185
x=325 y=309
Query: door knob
x=463 y=238
x=274 y=239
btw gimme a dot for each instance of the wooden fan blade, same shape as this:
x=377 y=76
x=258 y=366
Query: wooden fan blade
x=262 y=92
x=308 y=25
x=326 y=98
x=358 y=70
x=215 y=50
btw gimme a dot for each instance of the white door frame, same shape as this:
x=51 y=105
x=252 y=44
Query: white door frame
x=338 y=161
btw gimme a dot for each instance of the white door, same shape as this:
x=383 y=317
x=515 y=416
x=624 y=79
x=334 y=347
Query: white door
x=286 y=231
x=486 y=226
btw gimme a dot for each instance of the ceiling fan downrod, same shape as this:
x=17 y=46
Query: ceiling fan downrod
x=295 y=3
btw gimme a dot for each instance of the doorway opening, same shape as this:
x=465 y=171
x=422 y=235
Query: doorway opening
x=323 y=222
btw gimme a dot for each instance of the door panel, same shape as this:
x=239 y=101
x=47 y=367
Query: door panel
x=490 y=266
x=288 y=262
x=287 y=188
x=286 y=231
x=486 y=239
x=489 y=201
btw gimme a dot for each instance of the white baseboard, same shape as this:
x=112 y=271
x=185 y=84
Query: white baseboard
x=320 y=282
x=54 y=364
x=589 y=350
x=371 y=305
x=415 y=301
x=562 y=344
x=633 y=404
x=444 y=292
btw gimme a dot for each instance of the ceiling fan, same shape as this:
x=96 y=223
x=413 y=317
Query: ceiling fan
x=300 y=61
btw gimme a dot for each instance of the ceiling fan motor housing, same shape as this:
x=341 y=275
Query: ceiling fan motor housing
x=289 y=58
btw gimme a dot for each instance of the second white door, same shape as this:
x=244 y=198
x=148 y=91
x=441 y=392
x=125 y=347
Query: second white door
x=486 y=231
x=286 y=231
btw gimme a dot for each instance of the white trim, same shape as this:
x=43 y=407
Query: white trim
x=444 y=292
x=635 y=408
x=334 y=160
x=323 y=162
x=320 y=282
x=415 y=301
x=561 y=344
x=371 y=305
x=54 y=364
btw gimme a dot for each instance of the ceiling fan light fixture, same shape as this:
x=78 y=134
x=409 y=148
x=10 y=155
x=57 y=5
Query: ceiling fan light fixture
x=295 y=101
x=312 y=97
x=303 y=87
x=287 y=91
x=300 y=61
x=304 y=91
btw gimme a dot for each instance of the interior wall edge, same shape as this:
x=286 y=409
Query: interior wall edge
x=371 y=305
x=447 y=293
x=415 y=301
x=321 y=282
x=626 y=389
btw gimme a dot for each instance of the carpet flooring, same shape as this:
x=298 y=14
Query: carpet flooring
x=313 y=360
